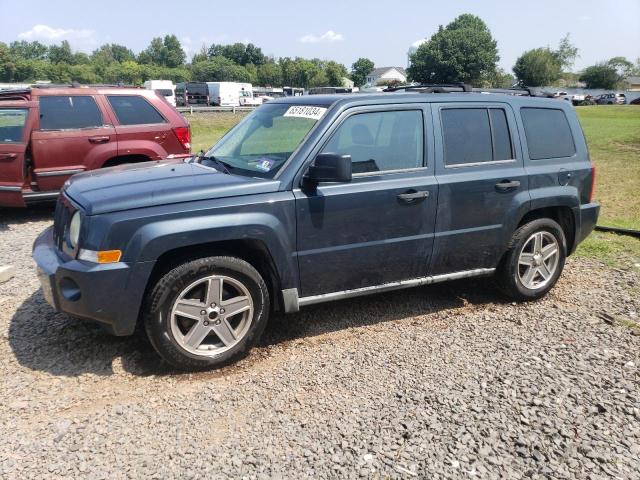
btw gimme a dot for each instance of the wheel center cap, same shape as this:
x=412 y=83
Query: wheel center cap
x=537 y=259
x=213 y=314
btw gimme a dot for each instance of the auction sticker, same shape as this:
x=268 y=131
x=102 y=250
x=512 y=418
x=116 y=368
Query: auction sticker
x=305 y=111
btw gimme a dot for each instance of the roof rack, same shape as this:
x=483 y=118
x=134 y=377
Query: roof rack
x=16 y=94
x=462 y=87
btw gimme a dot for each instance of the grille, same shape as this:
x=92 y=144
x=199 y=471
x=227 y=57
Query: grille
x=62 y=218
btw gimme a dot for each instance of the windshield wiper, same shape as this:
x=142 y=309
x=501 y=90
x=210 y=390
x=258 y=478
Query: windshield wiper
x=214 y=162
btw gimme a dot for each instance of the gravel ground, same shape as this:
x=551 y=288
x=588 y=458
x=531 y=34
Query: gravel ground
x=447 y=381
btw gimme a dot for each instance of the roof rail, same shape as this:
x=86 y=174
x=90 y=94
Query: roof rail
x=78 y=85
x=464 y=88
x=432 y=88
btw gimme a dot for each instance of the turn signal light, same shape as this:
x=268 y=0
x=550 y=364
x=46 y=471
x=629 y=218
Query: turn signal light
x=103 y=256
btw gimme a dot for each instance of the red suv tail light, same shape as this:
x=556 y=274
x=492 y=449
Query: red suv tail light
x=593 y=181
x=183 y=135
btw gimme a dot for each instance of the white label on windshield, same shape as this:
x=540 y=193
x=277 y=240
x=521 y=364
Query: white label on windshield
x=305 y=111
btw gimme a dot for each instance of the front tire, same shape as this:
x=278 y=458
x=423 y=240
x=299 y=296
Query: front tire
x=207 y=312
x=534 y=260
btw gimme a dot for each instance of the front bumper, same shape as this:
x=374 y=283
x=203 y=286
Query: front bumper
x=110 y=294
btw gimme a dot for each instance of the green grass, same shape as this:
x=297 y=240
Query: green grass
x=207 y=128
x=613 y=135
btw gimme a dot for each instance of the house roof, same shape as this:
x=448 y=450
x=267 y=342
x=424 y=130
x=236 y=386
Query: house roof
x=634 y=80
x=378 y=72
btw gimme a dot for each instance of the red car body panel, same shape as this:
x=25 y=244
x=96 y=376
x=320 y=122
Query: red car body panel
x=36 y=167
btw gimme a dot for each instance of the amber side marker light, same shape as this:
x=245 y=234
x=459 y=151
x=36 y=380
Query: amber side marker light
x=103 y=256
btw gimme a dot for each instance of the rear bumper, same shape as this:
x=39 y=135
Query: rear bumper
x=588 y=215
x=107 y=294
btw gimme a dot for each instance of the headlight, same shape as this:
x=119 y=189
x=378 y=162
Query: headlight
x=74 y=229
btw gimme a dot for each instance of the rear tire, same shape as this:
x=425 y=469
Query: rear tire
x=207 y=312
x=534 y=260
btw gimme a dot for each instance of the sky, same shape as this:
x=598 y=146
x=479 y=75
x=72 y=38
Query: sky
x=328 y=29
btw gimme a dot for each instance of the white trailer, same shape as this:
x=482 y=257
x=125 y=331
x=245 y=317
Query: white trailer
x=224 y=94
x=166 y=88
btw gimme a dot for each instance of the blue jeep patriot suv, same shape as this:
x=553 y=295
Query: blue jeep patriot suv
x=319 y=198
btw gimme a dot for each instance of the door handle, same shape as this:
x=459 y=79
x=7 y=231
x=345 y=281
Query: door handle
x=100 y=139
x=412 y=196
x=507 y=185
x=8 y=156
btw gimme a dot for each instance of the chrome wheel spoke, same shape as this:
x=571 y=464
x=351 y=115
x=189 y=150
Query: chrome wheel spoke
x=224 y=332
x=189 y=309
x=526 y=259
x=196 y=335
x=529 y=276
x=214 y=291
x=537 y=246
x=549 y=251
x=236 y=305
x=544 y=271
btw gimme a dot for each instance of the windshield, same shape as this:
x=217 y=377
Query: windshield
x=260 y=144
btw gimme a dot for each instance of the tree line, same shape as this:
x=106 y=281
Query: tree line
x=465 y=51
x=23 y=61
x=462 y=51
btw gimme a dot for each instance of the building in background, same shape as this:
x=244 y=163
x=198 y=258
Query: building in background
x=386 y=74
x=632 y=84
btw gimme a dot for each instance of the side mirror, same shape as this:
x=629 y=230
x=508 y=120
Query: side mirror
x=330 y=167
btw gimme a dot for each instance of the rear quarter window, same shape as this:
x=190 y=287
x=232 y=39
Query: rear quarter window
x=548 y=133
x=134 y=110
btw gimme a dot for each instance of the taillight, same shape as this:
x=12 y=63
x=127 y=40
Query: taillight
x=593 y=181
x=183 y=135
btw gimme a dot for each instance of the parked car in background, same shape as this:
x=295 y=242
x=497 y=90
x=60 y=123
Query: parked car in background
x=166 y=88
x=635 y=101
x=192 y=93
x=50 y=134
x=320 y=198
x=246 y=96
x=611 y=99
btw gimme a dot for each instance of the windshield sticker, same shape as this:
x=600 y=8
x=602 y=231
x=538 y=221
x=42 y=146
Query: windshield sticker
x=264 y=164
x=304 y=111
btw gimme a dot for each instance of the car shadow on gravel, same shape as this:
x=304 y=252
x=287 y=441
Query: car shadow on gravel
x=44 y=340
x=18 y=216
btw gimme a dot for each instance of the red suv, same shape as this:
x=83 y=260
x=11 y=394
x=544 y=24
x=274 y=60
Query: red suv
x=49 y=134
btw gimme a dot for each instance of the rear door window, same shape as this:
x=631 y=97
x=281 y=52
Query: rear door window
x=475 y=136
x=12 y=122
x=69 y=112
x=548 y=133
x=134 y=110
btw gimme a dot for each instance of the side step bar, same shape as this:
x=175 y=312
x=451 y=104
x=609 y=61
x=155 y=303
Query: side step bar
x=292 y=303
x=34 y=197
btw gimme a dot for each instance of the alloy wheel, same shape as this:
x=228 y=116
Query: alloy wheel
x=211 y=315
x=538 y=260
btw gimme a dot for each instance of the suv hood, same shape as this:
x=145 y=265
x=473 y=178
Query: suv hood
x=156 y=183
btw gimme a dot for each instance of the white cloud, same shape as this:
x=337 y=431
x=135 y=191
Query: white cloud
x=327 y=37
x=82 y=38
